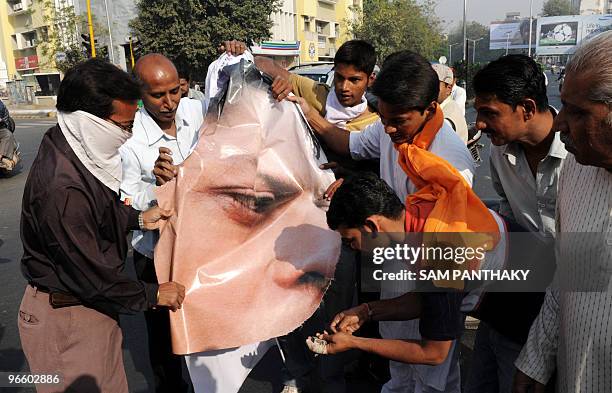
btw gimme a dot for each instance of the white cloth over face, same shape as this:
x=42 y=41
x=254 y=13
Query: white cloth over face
x=96 y=143
x=338 y=114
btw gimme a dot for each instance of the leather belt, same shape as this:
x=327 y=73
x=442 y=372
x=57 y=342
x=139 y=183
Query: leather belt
x=58 y=299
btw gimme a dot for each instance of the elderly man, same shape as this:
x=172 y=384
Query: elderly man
x=452 y=111
x=572 y=332
x=73 y=229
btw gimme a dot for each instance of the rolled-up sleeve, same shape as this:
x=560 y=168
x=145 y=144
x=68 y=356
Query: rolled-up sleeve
x=365 y=145
x=133 y=187
x=538 y=357
x=77 y=246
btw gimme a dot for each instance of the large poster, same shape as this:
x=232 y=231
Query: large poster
x=512 y=34
x=560 y=35
x=249 y=238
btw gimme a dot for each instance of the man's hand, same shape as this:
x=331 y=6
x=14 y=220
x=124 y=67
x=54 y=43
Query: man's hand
x=235 y=48
x=153 y=217
x=171 y=294
x=281 y=88
x=525 y=384
x=349 y=321
x=306 y=108
x=331 y=190
x=338 y=342
x=164 y=171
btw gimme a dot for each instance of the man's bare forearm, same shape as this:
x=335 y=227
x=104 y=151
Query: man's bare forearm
x=406 y=351
x=401 y=308
x=336 y=138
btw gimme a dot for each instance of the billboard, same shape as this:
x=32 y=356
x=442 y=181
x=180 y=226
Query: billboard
x=513 y=34
x=560 y=35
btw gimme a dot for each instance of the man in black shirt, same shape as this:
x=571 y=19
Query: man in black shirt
x=73 y=229
x=368 y=204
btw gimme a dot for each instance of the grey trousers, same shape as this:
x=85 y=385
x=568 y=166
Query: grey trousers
x=81 y=344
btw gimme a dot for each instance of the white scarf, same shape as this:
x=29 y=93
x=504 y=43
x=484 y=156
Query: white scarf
x=339 y=115
x=96 y=143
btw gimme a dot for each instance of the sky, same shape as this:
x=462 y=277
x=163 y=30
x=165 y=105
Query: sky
x=483 y=11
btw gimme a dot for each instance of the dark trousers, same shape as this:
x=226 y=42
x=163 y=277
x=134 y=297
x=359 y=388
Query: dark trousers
x=170 y=370
x=324 y=374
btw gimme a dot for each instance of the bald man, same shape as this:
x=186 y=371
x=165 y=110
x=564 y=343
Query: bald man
x=170 y=125
x=165 y=132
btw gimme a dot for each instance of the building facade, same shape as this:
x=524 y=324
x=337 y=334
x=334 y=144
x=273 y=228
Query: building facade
x=592 y=7
x=29 y=76
x=322 y=27
x=307 y=31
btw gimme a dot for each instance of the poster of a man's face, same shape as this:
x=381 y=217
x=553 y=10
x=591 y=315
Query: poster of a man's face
x=249 y=238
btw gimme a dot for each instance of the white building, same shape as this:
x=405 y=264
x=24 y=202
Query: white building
x=284 y=46
x=592 y=7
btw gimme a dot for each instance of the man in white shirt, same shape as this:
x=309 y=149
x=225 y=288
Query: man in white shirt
x=169 y=122
x=407 y=88
x=572 y=332
x=452 y=111
x=459 y=94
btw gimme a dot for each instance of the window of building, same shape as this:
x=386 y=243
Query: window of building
x=306 y=23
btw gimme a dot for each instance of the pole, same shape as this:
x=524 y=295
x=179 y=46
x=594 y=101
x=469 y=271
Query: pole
x=132 y=53
x=91 y=31
x=530 y=23
x=474 y=52
x=110 y=34
x=465 y=49
x=507 y=42
x=450 y=55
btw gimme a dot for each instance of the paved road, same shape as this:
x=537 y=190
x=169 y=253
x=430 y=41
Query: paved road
x=29 y=134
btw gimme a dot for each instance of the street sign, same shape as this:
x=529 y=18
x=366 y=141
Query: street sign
x=60 y=57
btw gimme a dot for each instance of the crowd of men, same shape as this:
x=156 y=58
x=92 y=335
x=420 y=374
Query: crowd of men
x=401 y=163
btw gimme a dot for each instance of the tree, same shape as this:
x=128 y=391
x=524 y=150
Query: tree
x=190 y=31
x=475 y=31
x=557 y=7
x=393 y=25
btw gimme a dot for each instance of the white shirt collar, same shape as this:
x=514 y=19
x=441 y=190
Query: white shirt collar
x=152 y=130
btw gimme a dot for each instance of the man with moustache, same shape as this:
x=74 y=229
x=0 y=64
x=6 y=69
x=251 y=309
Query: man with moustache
x=167 y=124
x=73 y=229
x=165 y=132
x=526 y=158
x=572 y=331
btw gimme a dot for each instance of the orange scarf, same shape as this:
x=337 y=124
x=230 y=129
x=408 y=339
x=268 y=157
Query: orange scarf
x=457 y=208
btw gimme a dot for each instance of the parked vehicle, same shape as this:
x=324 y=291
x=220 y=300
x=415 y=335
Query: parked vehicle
x=10 y=155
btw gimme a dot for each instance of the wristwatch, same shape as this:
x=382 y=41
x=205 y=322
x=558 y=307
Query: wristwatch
x=141 y=222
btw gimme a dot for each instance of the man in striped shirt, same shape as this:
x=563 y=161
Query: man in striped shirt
x=573 y=332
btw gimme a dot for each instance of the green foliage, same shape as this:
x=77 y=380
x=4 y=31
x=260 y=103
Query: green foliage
x=190 y=31
x=557 y=7
x=61 y=36
x=393 y=25
x=475 y=31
